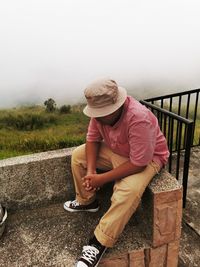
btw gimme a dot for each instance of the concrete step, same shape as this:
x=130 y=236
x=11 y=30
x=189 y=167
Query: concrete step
x=50 y=236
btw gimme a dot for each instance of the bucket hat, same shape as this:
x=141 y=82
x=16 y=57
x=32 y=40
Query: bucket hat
x=103 y=98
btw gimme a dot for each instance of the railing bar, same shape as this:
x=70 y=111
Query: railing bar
x=170 y=142
x=170 y=104
x=179 y=111
x=179 y=104
x=187 y=161
x=179 y=124
x=195 y=116
x=188 y=105
x=158 y=116
x=167 y=138
x=172 y=136
x=171 y=114
x=165 y=124
x=161 y=119
x=186 y=115
x=173 y=95
x=176 y=139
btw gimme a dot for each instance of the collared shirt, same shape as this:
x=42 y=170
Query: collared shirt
x=136 y=135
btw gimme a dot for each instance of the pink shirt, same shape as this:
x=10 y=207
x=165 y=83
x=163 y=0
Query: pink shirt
x=136 y=135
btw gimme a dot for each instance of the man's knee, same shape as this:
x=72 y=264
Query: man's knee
x=127 y=190
x=78 y=154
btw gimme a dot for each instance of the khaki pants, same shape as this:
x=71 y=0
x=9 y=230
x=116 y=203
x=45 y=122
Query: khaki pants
x=126 y=195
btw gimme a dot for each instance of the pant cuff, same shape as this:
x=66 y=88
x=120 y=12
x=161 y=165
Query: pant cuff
x=85 y=201
x=104 y=239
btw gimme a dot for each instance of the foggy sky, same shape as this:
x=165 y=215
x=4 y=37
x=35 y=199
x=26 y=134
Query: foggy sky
x=54 y=48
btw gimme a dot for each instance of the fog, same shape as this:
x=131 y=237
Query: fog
x=54 y=48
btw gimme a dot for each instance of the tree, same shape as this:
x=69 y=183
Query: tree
x=50 y=105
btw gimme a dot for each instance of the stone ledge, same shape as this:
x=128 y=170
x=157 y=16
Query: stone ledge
x=43 y=178
x=36 y=180
x=36 y=157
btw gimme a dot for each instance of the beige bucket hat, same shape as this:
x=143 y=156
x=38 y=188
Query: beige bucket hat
x=103 y=98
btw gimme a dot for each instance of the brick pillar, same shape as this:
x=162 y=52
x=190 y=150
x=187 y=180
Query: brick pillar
x=167 y=217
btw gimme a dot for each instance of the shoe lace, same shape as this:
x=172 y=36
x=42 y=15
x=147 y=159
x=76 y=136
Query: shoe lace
x=75 y=203
x=89 y=253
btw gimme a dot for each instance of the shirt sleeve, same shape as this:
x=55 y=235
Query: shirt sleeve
x=142 y=141
x=93 y=133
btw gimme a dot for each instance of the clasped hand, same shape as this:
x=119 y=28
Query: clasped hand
x=92 y=182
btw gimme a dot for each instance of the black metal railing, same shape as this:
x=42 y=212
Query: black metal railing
x=186 y=104
x=178 y=132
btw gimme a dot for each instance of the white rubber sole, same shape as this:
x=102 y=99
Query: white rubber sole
x=76 y=210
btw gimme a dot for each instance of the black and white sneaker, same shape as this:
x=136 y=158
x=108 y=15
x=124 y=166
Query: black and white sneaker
x=91 y=256
x=75 y=206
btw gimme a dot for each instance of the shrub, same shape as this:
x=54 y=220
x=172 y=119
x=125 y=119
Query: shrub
x=27 y=122
x=65 y=109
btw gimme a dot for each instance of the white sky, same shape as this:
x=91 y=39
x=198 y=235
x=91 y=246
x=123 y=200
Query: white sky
x=54 y=48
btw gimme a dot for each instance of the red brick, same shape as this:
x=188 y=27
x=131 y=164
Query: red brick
x=167 y=196
x=120 y=261
x=172 y=254
x=164 y=223
x=156 y=257
x=136 y=258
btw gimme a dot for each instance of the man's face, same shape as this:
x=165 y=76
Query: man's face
x=110 y=119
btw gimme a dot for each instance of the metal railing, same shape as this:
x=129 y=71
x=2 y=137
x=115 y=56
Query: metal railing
x=186 y=104
x=178 y=132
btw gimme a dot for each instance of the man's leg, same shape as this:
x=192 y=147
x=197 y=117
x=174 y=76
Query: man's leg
x=79 y=169
x=126 y=196
x=127 y=193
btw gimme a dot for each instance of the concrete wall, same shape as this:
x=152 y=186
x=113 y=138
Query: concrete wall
x=37 y=179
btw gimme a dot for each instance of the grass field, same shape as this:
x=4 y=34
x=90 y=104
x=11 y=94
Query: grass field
x=27 y=130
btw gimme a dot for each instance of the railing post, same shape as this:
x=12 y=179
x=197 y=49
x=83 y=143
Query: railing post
x=188 y=143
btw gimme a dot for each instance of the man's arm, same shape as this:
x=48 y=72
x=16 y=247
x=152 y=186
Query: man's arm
x=124 y=170
x=92 y=150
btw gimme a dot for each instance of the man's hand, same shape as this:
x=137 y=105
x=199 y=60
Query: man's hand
x=92 y=181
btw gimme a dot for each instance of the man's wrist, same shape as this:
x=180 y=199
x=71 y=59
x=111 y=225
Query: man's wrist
x=91 y=171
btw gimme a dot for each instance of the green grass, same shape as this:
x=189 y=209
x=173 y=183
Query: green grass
x=27 y=130
x=21 y=134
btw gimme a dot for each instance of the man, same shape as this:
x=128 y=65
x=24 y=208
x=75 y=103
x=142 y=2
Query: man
x=125 y=140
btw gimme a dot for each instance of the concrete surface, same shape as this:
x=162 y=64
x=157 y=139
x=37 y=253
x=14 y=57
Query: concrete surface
x=36 y=180
x=50 y=236
x=190 y=239
x=39 y=237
